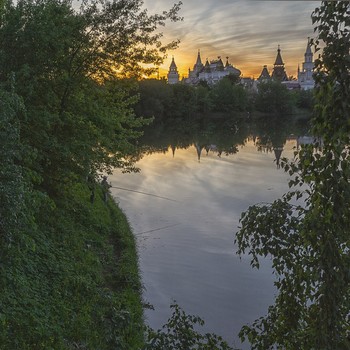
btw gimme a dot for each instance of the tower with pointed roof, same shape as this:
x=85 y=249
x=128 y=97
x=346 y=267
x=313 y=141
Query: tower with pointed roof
x=173 y=75
x=279 y=72
x=305 y=78
x=264 y=75
x=198 y=66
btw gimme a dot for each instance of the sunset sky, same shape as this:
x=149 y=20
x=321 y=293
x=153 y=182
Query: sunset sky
x=246 y=31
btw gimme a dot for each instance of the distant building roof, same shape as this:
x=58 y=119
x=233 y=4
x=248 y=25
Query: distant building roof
x=172 y=64
x=265 y=75
x=211 y=72
x=217 y=64
x=199 y=61
x=308 y=47
x=279 y=61
x=279 y=72
x=207 y=66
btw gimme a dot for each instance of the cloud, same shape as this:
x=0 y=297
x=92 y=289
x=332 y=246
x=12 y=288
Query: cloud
x=247 y=31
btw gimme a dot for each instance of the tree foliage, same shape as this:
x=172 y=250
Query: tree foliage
x=68 y=273
x=273 y=97
x=67 y=65
x=306 y=232
x=227 y=95
x=13 y=183
x=180 y=332
x=155 y=99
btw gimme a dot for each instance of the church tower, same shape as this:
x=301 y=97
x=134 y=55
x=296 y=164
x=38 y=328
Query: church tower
x=279 y=72
x=264 y=75
x=305 y=78
x=198 y=65
x=173 y=75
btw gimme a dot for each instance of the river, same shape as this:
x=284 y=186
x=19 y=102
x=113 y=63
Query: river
x=186 y=238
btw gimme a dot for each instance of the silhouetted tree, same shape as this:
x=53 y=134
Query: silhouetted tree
x=306 y=232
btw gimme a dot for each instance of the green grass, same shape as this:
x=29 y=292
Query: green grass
x=71 y=281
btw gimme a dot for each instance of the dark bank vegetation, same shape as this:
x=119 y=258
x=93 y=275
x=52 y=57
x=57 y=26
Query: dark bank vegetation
x=306 y=232
x=68 y=265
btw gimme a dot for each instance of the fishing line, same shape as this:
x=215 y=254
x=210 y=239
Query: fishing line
x=147 y=194
x=156 y=229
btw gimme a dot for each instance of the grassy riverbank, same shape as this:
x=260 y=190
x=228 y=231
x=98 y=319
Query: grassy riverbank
x=74 y=282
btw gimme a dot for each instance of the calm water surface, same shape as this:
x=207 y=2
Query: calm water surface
x=186 y=247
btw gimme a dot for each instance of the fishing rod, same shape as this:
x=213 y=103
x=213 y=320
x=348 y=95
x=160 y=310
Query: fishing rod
x=145 y=193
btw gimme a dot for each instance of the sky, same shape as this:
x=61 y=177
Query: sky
x=246 y=31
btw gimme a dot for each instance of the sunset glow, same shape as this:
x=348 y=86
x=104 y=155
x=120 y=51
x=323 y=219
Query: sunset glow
x=246 y=31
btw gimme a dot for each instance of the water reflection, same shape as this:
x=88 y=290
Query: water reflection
x=211 y=172
x=225 y=136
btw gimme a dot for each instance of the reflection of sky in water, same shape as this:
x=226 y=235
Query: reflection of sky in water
x=192 y=259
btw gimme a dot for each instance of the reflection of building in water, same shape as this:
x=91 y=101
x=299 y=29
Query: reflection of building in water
x=305 y=79
x=173 y=149
x=270 y=144
x=308 y=140
x=199 y=149
x=210 y=72
x=278 y=152
x=274 y=144
x=262 y=144
x=218 y=150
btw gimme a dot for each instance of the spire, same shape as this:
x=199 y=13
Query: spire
x=197 y=68
x=279 y=61
x=278 y=72
x=173 y=64
x=207 y=66
x=305 y=78
x=308 y=47
x=199 y=61
x=173 y=74
x=227 y=64
x=264 y=74
x=219 y=64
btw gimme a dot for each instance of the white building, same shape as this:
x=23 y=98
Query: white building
x=210 y=72
x=215 y=70
x=173 y=75
x=305 y=78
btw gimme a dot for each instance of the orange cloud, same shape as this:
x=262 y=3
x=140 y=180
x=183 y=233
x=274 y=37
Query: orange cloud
x=248 y=32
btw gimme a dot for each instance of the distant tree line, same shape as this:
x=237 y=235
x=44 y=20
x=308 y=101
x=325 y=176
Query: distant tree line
x=164 y=101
